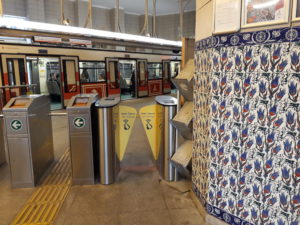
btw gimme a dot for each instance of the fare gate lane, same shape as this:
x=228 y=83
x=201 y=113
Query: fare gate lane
x=45 y=203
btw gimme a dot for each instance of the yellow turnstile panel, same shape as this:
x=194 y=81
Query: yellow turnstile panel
x=151 y=117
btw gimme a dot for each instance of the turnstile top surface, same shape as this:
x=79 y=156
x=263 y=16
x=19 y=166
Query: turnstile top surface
x=24 y=102
x=82 y=101
x=108 y=102
x=166 y=100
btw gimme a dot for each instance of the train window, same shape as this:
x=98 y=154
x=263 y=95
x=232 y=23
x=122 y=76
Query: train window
x=11 y=72
x=154 y=71
x=166 y=71
x=175 y=68
x=113 y=72
x=69 y=75
x=91 y=72
x=142 y=71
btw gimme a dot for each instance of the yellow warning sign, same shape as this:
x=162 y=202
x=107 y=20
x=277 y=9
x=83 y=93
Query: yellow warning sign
x=151 y=117
x=124 y=118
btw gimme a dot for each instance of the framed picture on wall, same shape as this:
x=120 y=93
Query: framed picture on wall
x=296 y=10
x=264 y=12
x=227 y=14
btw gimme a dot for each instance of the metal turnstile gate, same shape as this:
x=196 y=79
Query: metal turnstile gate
x=168 y=144
x=108 y=158
x=29 y=139
x=83 y=132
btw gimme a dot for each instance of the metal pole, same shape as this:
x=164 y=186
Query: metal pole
x=145 y=27
x=90 y=13
x=106 y=147
x=1 y=8
x=146 y=16
x=62 y=11
x=154 y=18
x=169 y=172
x=88 y=21
x=117 y=11
x=181 y=19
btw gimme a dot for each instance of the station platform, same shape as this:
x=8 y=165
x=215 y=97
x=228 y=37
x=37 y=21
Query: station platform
x=138 y=197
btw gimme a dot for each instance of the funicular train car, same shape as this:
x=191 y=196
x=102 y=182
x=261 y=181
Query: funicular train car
x=62 y=72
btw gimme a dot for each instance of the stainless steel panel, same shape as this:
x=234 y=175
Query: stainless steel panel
x=82 y=159
x=169 y=144
x=2 y=147
x=20 y=163
x=107 y=146
x=40 y=136
x=81 y=139
x=30 y=146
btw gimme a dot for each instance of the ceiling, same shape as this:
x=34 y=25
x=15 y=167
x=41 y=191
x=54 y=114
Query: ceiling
x=163 y=7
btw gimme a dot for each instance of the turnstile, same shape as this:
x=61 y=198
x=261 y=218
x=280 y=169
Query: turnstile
x=29 y=139
x=168 y=144
x=83 y=132
x=2 y=148
x=109 y=162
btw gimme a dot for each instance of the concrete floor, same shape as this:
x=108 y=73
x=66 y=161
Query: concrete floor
x=139 y=197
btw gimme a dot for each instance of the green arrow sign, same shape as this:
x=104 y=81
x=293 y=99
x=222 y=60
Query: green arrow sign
x=16 y=124
x=79 y=122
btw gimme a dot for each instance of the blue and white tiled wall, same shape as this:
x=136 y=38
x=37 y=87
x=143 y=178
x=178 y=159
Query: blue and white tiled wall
x=246 y=159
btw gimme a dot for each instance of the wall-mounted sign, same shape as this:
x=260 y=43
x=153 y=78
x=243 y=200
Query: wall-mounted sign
x=47 y=39
x=296 y=10
x=264 y=12
x=16 y=125
x=227 y=14
x=79 y=122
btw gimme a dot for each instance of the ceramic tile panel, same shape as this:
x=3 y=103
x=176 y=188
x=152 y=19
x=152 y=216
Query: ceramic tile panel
x=247 y=135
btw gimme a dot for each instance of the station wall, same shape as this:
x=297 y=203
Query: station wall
x=103 y=18
x=247 y=135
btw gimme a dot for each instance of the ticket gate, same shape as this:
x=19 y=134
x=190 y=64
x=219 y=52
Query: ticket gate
x=82 y=118
x=168 y=144
x=109 y=162
x=29 y=139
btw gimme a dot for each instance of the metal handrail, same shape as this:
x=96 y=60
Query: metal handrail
x=18 y=86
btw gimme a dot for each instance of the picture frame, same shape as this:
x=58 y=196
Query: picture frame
x=256 y=13
x=296 y=10
x=227 y=14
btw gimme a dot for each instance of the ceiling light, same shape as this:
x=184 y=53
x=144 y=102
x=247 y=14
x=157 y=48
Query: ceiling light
x=21 y=24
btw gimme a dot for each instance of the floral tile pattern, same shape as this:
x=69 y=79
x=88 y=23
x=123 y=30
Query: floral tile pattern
x=246 y=159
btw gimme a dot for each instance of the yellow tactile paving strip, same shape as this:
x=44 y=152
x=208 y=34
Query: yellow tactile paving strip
x=44 y=204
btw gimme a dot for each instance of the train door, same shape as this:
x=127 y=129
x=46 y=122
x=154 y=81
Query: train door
x=166 y=77
x=113 y=76
x=70 y=77
x=142 y=77
x=155 y=86
x=45 y=73
x=128 y=79
x=14 y=74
